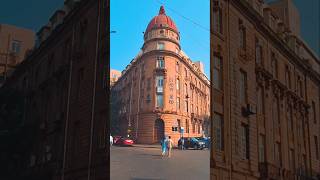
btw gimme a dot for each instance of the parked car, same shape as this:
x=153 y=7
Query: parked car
x=206 y=140
x=191 y=142
x=115 y=139
x=123 y=141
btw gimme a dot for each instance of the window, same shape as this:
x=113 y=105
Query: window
x=260 y=106
x=148 y=98
x=288 y=79
x=217 y=20
x=316 y=144
x=187 y=126
x=242 y=35
x=219 y=131
x=160 y=62
x=292 y=160
x=186 y=72
x=274 y=65
x=177 y=67
x=15 y=46
x=186 y=89
x=290 y=121
x=199 y=126
x=275 y=114
x=277 y=154
x=243 y=87
x=245 y=141
x=159 y=100
x=186 y=106
x=262 y=144
x=217 y=72
x=193 y=127
x=178 y=103
x=159 y=83
x=178 y=84
x=258 y=55
x=179 y=125
x=314 y=112
x=160 y=46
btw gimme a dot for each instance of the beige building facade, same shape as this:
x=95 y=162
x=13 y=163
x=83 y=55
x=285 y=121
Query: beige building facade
x=266 y=93
x=162 y=91
x=15 y=42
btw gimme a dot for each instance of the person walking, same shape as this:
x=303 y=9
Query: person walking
x=163 y=146
x=182 y=143
x=170 y=146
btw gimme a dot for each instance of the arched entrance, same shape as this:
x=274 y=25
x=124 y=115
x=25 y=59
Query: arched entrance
x=158 y=130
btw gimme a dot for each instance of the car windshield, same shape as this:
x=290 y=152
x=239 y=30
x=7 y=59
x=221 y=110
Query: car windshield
x=199 y=138
x=194 y=139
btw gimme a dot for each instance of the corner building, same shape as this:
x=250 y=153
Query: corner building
x=162 y=90
x=266 y=91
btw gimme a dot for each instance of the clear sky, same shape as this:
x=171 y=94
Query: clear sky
x=130 y=18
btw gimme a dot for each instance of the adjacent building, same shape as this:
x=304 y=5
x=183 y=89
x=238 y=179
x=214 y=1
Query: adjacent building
x=63 y=82
x=162 y=92
x=266 y=93
x=114 y=76
x=15 y=43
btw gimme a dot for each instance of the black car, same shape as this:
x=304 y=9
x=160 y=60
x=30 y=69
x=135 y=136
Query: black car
x=191 y=142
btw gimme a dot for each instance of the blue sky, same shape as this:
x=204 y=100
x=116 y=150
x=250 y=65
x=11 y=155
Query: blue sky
x=130 y=18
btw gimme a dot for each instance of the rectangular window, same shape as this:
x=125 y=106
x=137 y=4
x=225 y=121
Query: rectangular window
x=186 y=106
x=316 y=144
x=186 y=89
x=262 y=144
x=242 y=33
x=277 y=154
x=177 y=67
x=219 y=131
x=160 y=100
x=187 y=126
x=193 y=127
x=258 y=52
x=159 y=84
x=178 y=103
x=292 y=160
x=160 y=46
x=245 y=141
x=217 y=20
x=243 y=87
x=217 y=72
x=178 y=84
x=15 y=46
x=160 y=62
x=260 y=102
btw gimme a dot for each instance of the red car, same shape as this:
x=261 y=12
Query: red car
x=124 y=142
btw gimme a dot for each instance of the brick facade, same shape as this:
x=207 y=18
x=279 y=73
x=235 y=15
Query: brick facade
x=141 y=115
x=269 y=101
x=63 y=83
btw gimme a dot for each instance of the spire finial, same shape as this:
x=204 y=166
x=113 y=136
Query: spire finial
x=162 y=11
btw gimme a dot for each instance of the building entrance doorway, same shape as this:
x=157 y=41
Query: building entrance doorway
x=158 y=130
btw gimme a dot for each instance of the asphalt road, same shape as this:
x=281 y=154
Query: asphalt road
x=144 y=162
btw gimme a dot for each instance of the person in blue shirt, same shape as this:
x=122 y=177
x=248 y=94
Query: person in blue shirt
x=163 y=146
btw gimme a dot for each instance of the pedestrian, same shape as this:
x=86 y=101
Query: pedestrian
x=163 y=146
x=182 y=143
x=170 y=146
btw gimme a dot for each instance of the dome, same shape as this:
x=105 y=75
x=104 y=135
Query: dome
x=162 y=20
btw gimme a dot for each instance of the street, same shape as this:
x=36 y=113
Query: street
x=144 y=162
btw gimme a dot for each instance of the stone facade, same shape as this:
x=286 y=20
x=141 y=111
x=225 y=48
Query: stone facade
x=114 y=76
x=266 y=93
x=162 y=90
x=64 y=84
x=15 y=42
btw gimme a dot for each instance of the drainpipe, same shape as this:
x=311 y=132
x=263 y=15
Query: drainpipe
x=229 y=124
x=94 y=89
x=68 y=108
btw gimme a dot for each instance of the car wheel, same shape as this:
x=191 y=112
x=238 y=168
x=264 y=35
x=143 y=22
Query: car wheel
x=195 y=146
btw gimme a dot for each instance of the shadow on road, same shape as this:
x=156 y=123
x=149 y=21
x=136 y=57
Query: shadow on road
x=146 y=179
